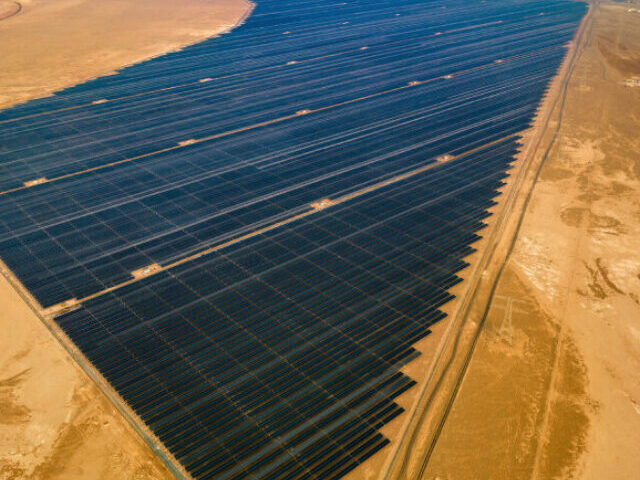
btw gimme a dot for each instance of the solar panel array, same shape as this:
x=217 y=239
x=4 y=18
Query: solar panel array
x=268 y=340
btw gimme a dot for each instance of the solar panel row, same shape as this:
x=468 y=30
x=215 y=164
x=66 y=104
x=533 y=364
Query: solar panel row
x=235 y=358
x=277 y=356
x=88 y=232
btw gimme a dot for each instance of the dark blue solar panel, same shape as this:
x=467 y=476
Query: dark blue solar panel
x=254 y=346
x=85 y=232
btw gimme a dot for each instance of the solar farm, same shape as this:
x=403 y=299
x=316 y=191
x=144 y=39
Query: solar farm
x=246 y=238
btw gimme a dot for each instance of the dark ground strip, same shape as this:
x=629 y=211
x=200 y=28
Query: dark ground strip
x=16 y=9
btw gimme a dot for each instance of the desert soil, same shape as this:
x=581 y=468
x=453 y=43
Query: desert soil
x=552 y=390
x=55 y=423
x=52 y=44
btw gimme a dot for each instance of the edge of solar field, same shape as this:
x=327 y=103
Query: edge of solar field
x=114 y=397
x=174 y=466
x=498 y=229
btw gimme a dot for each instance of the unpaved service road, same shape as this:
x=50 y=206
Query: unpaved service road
x=553 y=390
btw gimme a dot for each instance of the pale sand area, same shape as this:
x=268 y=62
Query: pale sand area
x=52 y=44
x=553 y=388
x=55 y=423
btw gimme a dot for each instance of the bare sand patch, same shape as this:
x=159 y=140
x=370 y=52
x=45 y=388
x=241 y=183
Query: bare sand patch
x=51 y=45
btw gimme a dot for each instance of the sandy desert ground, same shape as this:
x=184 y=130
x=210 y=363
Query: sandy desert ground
x=553 y=391
x=48 y=45
x=55 y=423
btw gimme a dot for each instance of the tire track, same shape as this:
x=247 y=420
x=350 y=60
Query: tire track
x=17 y=8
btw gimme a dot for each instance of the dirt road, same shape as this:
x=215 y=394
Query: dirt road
x=552 y=389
